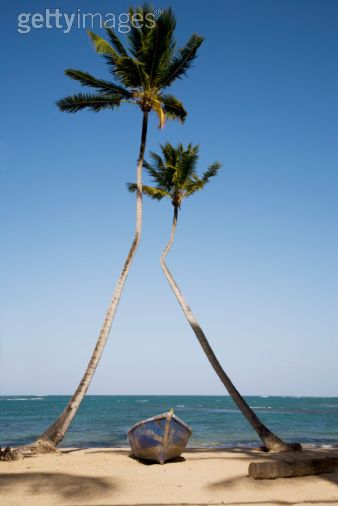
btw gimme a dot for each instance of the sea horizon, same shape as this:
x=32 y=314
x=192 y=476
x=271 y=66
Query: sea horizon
x=22 y=396
x=167 y=395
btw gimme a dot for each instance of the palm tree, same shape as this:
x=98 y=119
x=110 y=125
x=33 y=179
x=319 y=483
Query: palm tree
x=141 y=73
x=175 y=177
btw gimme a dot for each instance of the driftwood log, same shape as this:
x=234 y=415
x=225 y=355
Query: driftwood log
x=287 y=468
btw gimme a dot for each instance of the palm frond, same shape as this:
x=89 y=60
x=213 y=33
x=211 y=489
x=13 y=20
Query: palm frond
x=183 y=60
x=153 y=172
x=211 y=172
x=196 y=183
x=129 y=71
x=187 y=165
x=136 y=35
x=170 y=154
x=116 y=43
x=158 y=162
x=139 y=36
x=159 y=172
x=193 y=186
x=154 y=193
x=173 y=108
x=102 y=46
x=150 y=191
x=95 y=103
x=160 y=46
x=103 y=86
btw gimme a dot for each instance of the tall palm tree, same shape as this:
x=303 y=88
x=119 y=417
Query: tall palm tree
x=175 y=177
x=141 y=74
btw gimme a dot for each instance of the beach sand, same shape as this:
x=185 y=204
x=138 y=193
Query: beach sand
x=200 y=477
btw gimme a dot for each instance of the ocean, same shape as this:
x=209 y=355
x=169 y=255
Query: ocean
x=103 y=421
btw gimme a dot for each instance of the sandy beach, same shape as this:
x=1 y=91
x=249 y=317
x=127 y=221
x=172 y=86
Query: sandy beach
x=112 y=477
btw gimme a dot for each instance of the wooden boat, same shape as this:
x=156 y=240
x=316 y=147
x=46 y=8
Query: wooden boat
x=159 y=438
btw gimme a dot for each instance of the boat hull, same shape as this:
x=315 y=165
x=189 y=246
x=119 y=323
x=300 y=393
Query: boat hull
x=160 y=438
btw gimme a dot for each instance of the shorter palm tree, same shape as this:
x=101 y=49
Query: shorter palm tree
x=175 y=177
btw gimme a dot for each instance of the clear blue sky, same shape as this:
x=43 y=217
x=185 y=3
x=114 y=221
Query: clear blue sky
x=256 y=252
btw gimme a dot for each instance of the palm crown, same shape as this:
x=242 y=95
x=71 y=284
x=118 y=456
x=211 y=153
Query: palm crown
x=151 y=63
x=174 y=174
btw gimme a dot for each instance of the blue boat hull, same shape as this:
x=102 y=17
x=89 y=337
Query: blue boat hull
x=160 y=438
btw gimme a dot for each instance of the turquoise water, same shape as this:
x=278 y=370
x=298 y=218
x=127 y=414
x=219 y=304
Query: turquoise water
x=105 y=420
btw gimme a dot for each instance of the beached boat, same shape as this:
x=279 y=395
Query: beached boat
x=159 y=438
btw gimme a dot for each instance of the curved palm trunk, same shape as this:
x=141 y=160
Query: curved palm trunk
x=270 y=440
x=56 y=432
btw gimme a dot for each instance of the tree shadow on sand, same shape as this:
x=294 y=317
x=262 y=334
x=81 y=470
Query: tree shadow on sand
x=223 y=503
x=63 y=485
x=242 y=480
